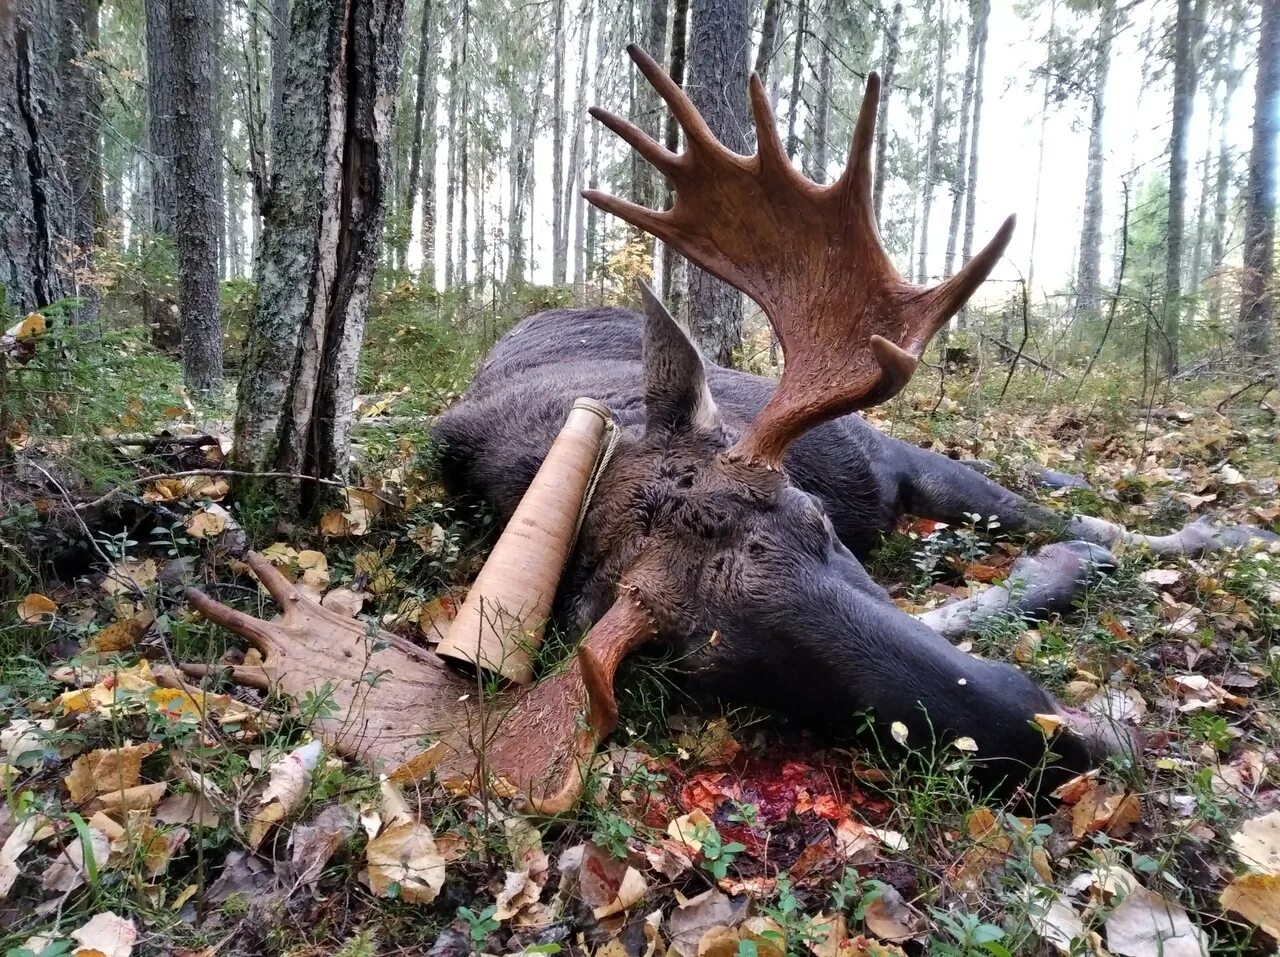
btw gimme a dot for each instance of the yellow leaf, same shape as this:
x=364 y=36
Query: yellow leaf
x=406 y=855
x=207 y=522
x=37 y=608
x=119 y=635
x=31 y=327
x=1256 y=898
x=109 y=769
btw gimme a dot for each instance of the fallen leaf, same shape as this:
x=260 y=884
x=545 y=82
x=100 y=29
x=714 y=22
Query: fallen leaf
x=344 y=601
x=1258 y=843
x=313 y=844
x=1161 y=576
x=130 y=575
x=891 y=918
x=855 y=843
x=692 y=918
x=607 y=885
x=1056 y=921
x=36 y=609
x=1145 y=924
x=685 y=829
x=286 y=787
x=110 y=769
x=1256 y=898
x=70 y=868
x=208 y=522
x=406 y=856
x=105 y=935
x=119 y=635
x=15 y=844
x=188 y=808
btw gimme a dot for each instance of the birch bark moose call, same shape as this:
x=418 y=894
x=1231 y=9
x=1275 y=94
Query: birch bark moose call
x=728 y=522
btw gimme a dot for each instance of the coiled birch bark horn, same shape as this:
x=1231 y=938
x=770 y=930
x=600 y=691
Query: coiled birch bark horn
x=501 y=623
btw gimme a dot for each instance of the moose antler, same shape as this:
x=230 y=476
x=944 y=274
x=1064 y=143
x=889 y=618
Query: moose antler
x=388 y=695
x=851 y=328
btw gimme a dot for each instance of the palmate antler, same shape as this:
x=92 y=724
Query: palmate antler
x=388 y=697
x=851 y=328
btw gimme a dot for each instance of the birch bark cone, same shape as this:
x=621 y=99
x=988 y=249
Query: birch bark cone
x=501 y=623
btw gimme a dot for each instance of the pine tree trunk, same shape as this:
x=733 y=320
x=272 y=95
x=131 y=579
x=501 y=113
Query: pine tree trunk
x=1044 y=118
x=219 y=145
x=1088 y=282
x=198 y=169
x=931 y=150
x=451 y=183
x=573 y=200
x=768 y=39
x=464 y=153
x=279 y=63
x=424 y=100
x=982 y=16
x=1194 y=277
x=654 y=40
x=817 y=156
x=37 y=218
x=320 y=245
x=160 y=113
x=81 y=158
x=679 y=30
x=718 y=89
x=592 y=239
x=1260 y=195
x=1184 y=86
x=882 y=112
x=559 y=265
x=958 y=180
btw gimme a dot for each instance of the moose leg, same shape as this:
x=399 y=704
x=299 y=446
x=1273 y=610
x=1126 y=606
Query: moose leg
x=1039 y=584
x=933 y=486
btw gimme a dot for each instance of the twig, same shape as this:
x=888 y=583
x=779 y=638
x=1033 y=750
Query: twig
x=1242 y=390
x=1026 y=334
x=233 y=473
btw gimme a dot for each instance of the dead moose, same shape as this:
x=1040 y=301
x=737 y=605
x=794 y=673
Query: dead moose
x=729 y=521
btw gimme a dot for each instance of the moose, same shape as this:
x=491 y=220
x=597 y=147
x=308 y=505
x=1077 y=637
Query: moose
x=731 y=517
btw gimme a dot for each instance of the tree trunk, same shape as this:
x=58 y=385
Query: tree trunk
x=1260 y=195
x=197 y=168
x=822 y=110
x=1222 y=187
x=882 y=112
x=1088 y=282
x=1044 y=118
x=424 y=101
x=654 y=40
x=797 y=78
x=80 y=154
x=982 y=16
x=931 y=150
x=451 y=183
x=958 y=180
x=1184 y=87
x=559 y=265
x=679 y=24
x=573 y=200
x=320 y=245
x=160 y=81
x=464 y=151
x=1194 y=276
x=718 y=88
x=279 y=63
x=591 y=240
x=768 y=39
x=36 y=219
x=219 y=144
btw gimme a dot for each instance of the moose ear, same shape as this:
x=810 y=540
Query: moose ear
x=675 y=384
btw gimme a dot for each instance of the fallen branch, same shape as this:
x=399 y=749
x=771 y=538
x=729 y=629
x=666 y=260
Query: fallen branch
x=230 y=473
x=1266 y=376
x=1009 y=349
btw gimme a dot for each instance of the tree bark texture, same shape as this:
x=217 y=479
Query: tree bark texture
x=1088 y=282
x=718 y=45
x=197 y=168
x=817 y=156
x=160 y=112
x=33 y=194
x=982 y=12
x=424 y=112
x=768 y=39
x=322 y=238
x=882 y=111
x=958 y=181
x=81 y=158
x=1184 y=90
x=1232 y=78
x=1260 y=195
x=679 y=32
x=931 y=150
x=559 y=251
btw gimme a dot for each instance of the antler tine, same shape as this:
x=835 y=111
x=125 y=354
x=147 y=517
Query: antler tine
x=851 y=327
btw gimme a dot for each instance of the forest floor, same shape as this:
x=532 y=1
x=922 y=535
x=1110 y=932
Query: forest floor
x=148 y=817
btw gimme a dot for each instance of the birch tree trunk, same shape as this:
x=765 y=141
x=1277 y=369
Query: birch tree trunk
x=1222 y=186
x=1088 y=288
x=882 y=111
x=1044 y=118
x=591 y=240
x=718 y=89
x=931 y=151
x=36 y=217
x=321 y=241
x=198 y=169
x=1260 y=195
x=573 y=200
x=451 y=183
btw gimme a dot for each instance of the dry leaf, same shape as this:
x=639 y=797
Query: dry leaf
x=119 y=635
x=110 y=769
x=891 y=918
x=105 y=935
x=1055 y=920
x=312 y=845
x=1258 y=843
x=344 y=601
x=685 y=828
x=69 y=869
x=855 y=843
x=406 y=856
x=209 y=522
x=691 y=920
x=189 y=808
x=36 y=608
x=290 y=778
x=1145 y=924
x=1256 y=898
x=129 y=575
x=15 y=844
x=607 y=885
